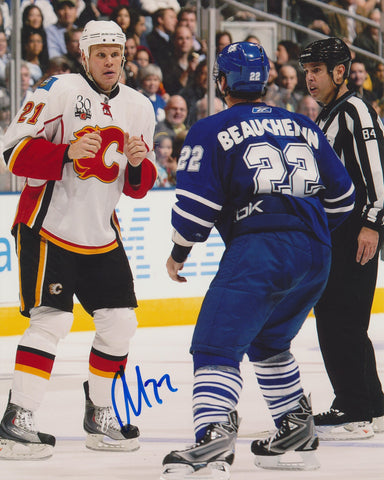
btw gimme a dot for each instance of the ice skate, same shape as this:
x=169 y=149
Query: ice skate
x=104 y=431
x=208 y=459
x=19 y=439
x=337 y=425
x=378 y=424
x=293 y=445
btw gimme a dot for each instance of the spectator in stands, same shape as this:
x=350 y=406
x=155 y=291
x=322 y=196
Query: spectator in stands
x=223 y=38
x=289 y=97
x=151 y=6
x=45 y=6
x=272 y=89
x=5 y=56
x=25 y=81
x=344 y=27
x=309 y=107
x=202 y=107
x=5 y=22
x=163 y=149
x=252 y=39
x=159 y=39
x=138 y=26
x=106 y=7
x=66 y=11
x=378 y=81
x=150 y=78
x=130 y=67
x=183 y=63
x=175 y=116
x=287 y=51
x=378 y=105
x=121 y=15
x=368 y=40
x=56 y=66
x=72 y=42
x=88 y=13
x=195 y=90
x=33 y=21
x=310 y=16
x=357 y=77
x=143 y=56
x=188 y=18
x=33 y=50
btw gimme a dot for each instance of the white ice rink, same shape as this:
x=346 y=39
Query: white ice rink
x=168 y=425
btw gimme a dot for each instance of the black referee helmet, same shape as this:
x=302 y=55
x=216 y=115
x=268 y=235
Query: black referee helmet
x=332 y=51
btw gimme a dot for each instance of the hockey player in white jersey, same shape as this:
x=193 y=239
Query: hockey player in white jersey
x=270 y=183
x=81 y=141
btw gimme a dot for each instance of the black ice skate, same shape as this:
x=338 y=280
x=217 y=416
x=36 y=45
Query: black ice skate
x=104 y=431
x=297 y=435
x=210 y=458
x=19 y=439
x=337 y=425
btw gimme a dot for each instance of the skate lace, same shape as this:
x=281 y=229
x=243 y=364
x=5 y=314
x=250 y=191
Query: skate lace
x=106 y=419
x=330 y=413
x=24 y=420
x=279 y=433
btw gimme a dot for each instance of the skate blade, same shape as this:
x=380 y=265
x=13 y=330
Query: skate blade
x=103 y=443
x=344 y=432
x=182 y=471
x=292 y=460
x=11 y=450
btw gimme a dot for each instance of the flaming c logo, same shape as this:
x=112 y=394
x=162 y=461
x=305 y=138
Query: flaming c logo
x=112 y=142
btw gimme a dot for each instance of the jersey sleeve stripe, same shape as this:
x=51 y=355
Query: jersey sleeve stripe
x=191 y=217
x=342 y=197
x=198 y=198
x=348 y=208
x=16 y=150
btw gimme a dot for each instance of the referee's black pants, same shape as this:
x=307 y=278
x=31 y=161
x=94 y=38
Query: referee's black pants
x=342 y=319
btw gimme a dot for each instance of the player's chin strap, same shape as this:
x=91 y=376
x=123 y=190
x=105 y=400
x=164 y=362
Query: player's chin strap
x=98 y=88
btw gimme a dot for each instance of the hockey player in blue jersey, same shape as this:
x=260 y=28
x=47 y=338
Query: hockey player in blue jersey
x=270 y=183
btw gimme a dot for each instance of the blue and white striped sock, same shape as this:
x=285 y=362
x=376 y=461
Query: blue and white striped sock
x=216 y=392
x=279 y=381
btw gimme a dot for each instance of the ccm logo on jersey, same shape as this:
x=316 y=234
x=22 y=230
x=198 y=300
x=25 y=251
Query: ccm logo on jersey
x=368 y=133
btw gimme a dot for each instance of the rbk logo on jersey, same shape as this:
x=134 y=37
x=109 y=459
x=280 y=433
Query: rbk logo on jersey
x=102 y=166
x=261 y=110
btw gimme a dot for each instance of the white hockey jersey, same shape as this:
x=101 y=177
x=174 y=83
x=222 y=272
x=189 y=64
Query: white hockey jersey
x=70 y=203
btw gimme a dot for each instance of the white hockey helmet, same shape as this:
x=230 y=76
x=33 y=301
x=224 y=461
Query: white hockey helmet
x=99 y=32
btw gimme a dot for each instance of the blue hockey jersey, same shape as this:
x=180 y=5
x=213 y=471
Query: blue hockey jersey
x=255 y=168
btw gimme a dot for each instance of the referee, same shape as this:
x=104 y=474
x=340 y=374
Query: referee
x=354 y=130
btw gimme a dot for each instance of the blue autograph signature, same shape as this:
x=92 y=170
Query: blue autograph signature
x=141 y=392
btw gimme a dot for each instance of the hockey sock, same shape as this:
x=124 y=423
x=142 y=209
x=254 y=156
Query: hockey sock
x=216 y=391
x=279 y=381
x=35 y=355
x=102 y=369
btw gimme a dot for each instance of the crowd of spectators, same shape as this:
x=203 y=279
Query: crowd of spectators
x=166 y=60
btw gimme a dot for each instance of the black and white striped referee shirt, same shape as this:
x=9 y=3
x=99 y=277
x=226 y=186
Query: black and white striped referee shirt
x=354 y=130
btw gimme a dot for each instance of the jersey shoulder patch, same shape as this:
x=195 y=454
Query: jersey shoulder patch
x=47 y=84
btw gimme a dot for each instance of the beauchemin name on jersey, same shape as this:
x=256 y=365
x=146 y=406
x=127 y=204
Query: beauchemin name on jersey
x=257 y=168
x=70 y=203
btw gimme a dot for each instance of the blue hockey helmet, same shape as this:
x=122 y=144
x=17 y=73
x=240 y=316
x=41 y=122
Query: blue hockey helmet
x=245 y=66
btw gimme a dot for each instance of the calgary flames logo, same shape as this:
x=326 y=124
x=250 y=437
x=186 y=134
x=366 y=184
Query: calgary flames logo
x=101 y=166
